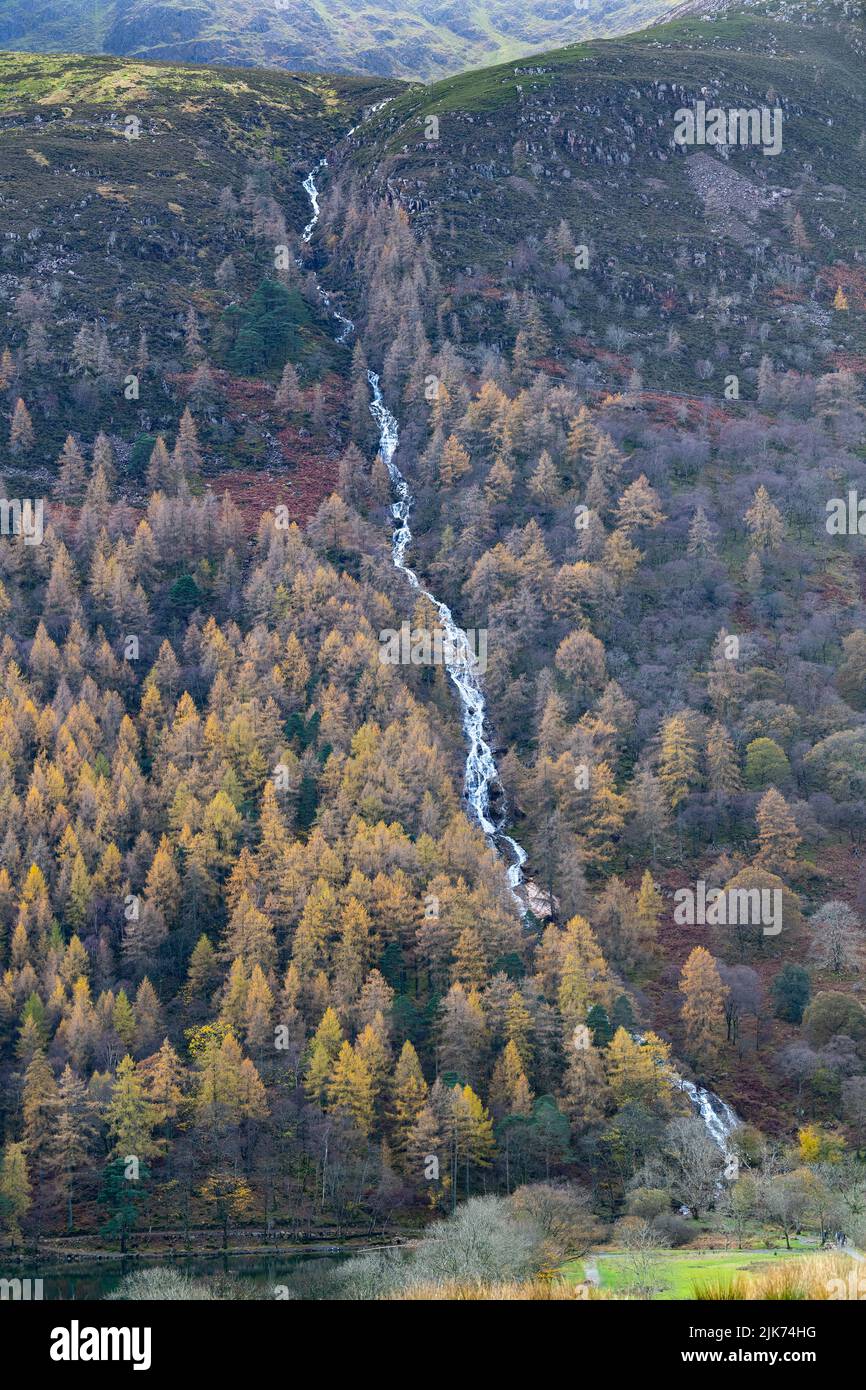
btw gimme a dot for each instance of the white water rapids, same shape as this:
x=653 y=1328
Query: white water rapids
x=481 y=775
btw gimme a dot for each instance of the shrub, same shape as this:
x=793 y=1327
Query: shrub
x=672 y=1229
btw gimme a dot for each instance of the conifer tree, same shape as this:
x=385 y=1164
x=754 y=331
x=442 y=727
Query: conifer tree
x=723 y=770
x=15 y=1199
x=324 y=1049
x=703 y=1011
x=678 y=760
x=22 y=435
x=350 y=1088
x=130 y=1116
x=73 y=1136
x=778 y=836
x=71 y=474
x=454 y=462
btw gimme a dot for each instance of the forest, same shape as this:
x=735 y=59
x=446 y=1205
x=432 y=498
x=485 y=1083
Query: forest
x=266 y=973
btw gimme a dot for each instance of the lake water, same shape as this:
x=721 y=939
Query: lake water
x=308 y=1275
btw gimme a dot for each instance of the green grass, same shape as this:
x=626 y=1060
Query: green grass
x=679 y=1271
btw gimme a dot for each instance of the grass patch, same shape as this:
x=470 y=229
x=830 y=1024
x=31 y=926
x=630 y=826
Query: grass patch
x=682 y=1274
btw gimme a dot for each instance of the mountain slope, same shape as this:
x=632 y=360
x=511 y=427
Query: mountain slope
x=401 y=40
x=134 y=192
x=630 y=319
x=587 y=134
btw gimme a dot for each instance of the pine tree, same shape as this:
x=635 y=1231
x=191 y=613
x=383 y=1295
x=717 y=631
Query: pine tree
x=123 y=1019
x=700 y=540
x=258 y=1013
x=724 y=773
x=544 y=482
x=148 y=1017
x=130 y=1116
x=71 y=476
x=605 y=816
x=638 y=1072
x=585 y=1091
x=163 y=1075
x=472 y=1136
x=582 y=437
x=7 y=369
x=40 y=1101
x=764 y=521
x=352 y=952
x=350 y=1088
x=159 y=467
x=250 y=937
x=186 y=460
x=583 y=974
x=192 y=336
x=509 y=1088
x=651 y=814
x=778 y=836
x=204 y=394
x=409 y=1096
x=323 y=1053
x=203 y=971
x=15 y=1200
x=598 y=1023
x=103 y=458
x=639 y=507
x=288 y=395
x=470 y=962
x=678 y=760
x=163 y=887
x=500 y=481
x=73 y=1136
x=454 y=462
x=703 y=1010
x=22 y=436
x=650 y=906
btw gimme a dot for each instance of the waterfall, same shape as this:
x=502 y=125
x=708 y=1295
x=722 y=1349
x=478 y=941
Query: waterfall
x=717 y=1115
x=481 y=775
x=719 y=1118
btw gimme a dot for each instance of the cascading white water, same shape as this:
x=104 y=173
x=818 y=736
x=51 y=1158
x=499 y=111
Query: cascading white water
x=481 y=775
x=312 y=193
x=717 y=1115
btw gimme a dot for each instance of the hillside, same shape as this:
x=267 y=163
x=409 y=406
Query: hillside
x=708 y=307
x=405 y=39
x=298 y=373
x=139 y=199
x=587 y=134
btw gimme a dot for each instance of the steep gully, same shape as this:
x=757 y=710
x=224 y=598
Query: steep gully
x=481 y=782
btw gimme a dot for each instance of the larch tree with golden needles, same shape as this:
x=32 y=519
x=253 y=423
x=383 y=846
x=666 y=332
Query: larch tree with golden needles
x=703 y=1008
x=679 y=769
x=778 y=836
